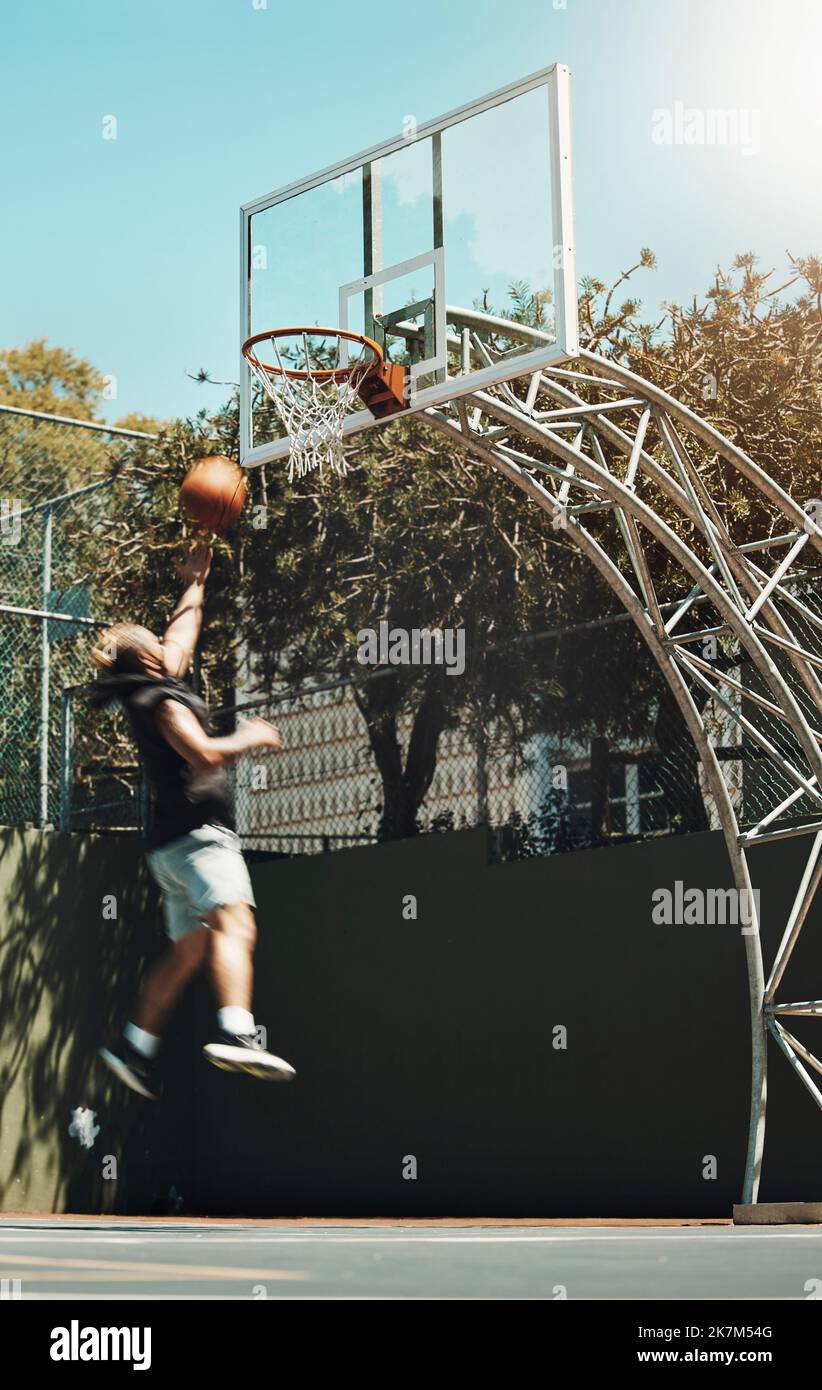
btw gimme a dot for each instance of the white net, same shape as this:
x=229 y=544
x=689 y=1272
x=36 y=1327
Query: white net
x=313 y=405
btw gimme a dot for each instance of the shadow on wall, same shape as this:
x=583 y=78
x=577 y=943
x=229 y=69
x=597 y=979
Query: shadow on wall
x=80 y=923
x=431 y=1080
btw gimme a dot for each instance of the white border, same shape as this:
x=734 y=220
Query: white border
x=557 y=80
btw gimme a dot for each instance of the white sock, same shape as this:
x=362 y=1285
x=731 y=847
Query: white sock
x=233 y=1019
x=145 y=1043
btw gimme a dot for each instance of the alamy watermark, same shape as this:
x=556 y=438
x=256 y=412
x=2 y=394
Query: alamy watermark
x=706 y=907
x=397 y=646
x=698 y=125
x=76 y=1343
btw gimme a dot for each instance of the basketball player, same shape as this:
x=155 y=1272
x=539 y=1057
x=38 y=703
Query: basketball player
x=193 y=852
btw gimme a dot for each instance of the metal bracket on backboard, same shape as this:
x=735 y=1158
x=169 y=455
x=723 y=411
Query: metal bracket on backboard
x=434 y=258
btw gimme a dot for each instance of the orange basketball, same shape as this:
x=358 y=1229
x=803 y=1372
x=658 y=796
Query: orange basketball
x=213 y=493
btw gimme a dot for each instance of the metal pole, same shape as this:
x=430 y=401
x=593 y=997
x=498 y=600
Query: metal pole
x=53 y=617
x=600 y=807
x=617 y=582
x=48 y=518
x=372 y=247
x=66 y=756
x=77 y=424
x=482 y=778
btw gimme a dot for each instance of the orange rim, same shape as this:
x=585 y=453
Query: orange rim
x=302 y=374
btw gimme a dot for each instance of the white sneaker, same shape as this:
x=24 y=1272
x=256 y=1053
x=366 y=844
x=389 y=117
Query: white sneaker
x=239 y=1052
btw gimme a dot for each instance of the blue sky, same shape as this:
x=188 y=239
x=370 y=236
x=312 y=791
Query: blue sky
x=126 y=250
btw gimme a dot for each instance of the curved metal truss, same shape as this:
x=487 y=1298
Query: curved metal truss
x=644 y=486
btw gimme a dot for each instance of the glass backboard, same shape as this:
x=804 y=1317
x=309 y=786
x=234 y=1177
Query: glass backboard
x=451 y=245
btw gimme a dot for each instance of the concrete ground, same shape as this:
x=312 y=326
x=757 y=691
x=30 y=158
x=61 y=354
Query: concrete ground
x=104 y=1258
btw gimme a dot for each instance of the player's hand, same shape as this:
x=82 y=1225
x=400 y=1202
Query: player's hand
x=195 y=567
x=264 y=735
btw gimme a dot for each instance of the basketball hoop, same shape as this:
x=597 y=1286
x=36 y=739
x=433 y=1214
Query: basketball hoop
x=314 y=385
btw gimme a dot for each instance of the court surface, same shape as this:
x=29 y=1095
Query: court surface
x=92 y=1258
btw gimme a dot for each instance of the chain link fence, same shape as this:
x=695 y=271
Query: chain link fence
x=565 y=787
x=556 y=791
x=551 y=794
x=56 y=479
x=323 y=792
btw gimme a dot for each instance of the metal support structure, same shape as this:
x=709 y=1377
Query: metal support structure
x=69 y=420
x=630 y=478
x=66 y=755
x=45 y=668
x=372 y=241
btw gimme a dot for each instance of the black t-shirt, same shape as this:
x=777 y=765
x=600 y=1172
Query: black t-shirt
x=183 y=798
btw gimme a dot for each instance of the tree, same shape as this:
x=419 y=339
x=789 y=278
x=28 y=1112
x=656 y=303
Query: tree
x=50 y=379
x=418 y=536
x=421 y=535
x=41 y=460
x=746 y=358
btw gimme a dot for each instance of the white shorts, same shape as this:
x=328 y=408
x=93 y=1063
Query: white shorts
x=198 y=872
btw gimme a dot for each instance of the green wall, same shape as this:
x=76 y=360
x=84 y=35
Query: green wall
x=430 y=1039
x=66 y=977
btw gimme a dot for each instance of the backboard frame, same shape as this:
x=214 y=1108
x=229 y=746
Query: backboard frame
x=557 y=80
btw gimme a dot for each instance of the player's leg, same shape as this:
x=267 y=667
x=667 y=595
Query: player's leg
x=230 y=963
x=167 y=980
x=231 y=953
x=132 y=1057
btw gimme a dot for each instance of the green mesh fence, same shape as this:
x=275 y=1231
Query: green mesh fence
x=549 y=794
x=561 y=789
x=552 y=793
x=55 y=482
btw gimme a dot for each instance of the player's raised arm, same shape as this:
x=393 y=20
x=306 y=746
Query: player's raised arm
x=183 y=631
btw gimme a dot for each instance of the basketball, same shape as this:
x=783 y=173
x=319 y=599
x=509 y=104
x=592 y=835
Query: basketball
x=213 y=493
